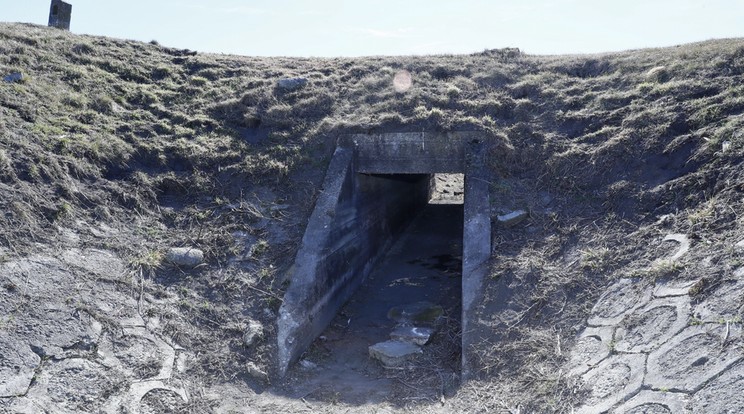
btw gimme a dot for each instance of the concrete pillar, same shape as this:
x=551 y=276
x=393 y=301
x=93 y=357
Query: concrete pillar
x=476 y=246
x=60 y=14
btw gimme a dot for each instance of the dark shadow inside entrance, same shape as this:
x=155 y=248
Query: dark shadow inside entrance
x=423 y=265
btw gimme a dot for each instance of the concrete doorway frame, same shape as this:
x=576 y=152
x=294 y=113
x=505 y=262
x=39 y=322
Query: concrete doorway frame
x=344 y=240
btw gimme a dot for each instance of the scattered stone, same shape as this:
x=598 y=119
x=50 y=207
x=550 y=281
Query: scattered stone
x=394 y=353
x=256 y=372
x=684 y=244
x=740 y=245
x=291 y=84
x=419 y=312
x=15 y=77
x=253 y=332
x=412 y=334
x=725 y=146
x=308 y=365
x=513 y=218
x=185 y=256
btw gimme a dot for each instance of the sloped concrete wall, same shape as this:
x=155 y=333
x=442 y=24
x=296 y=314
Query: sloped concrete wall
x=356 y=219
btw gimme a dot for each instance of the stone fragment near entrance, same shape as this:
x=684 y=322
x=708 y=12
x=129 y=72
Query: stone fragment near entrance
x=253 y=332
x=184 y=256
x=513 y=218
x=412 y=334
x=256 y=372
x=419 y=312
x=394 y=353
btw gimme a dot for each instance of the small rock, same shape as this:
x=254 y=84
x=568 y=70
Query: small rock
x=513 y=218
x=184 y=256
x=15 y=77
x=253 y=332
x=291 y=84
x=740 y=245
x=419 y=312
x=394 y=353
x=256 y=372
x=308 y=365
x=725 y=146
x=412 y=334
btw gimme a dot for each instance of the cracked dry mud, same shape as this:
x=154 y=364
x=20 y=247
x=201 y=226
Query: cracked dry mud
x=649 y=349
x=74 y=343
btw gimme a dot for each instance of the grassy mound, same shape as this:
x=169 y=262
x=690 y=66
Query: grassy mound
x=168 y=147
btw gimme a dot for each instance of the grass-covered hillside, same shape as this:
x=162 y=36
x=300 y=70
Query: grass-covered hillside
x=135 y=148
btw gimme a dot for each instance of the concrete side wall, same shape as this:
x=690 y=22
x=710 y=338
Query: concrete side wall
x=356 y=219
x=476 y=249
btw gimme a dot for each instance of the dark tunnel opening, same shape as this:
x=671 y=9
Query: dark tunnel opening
x=411 y=299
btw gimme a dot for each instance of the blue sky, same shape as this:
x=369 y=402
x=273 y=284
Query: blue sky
x=397 y=27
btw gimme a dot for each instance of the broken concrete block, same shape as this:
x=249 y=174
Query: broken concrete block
x=419 y=312
x=185 y=256
x=513 y=218
x=394 y=353
x=413 y=334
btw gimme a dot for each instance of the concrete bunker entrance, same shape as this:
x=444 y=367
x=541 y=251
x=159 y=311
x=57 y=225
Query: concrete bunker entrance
x=389 y=257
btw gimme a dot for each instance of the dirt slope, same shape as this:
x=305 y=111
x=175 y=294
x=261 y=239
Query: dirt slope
x=113 y=151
